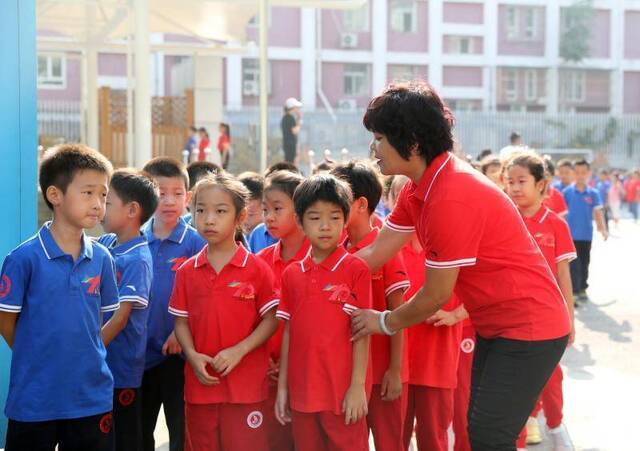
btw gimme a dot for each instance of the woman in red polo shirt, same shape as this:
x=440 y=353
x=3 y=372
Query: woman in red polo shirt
x=475 y=243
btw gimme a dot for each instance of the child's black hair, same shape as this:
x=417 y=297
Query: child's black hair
x=281 y=166
x=581 y=162
x=322 y=187
x=134 y=186
x=199 y=169
x=237 y=190
x=565 y=163
x=284 y=181
x=254 y=183
x=363 y=180
x=532 y=162
x=61 y=163
x=167 y=167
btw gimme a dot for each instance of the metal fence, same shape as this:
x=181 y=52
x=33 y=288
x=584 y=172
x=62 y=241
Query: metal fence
x=59 y=121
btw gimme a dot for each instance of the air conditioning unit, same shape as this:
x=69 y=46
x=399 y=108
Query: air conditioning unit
x=348 y=40
x=250 y=88
x=347 y=104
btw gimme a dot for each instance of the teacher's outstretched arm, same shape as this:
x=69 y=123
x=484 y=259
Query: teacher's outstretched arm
x=437 y=289
x=387 y=244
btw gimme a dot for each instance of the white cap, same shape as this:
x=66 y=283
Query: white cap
x=292 y=102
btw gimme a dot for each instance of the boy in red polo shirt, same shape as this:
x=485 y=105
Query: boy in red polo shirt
x=224 y=302
x=292 y=246
x=390 y=370
x=323 y=385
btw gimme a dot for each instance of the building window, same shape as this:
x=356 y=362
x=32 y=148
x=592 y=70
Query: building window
x=404 y=16
x=530 y=23
x=462 y=105
x=356 y=80
x=251 y=78
x=52 y=72
x=531 y=85
x=574 y=86
x=461 y=44
x=356 y=20
x=403 y=72
x=513 y=22
x=510 y=84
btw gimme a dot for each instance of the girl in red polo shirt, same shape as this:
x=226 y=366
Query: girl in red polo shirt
x=526 y=185
x=224 y=302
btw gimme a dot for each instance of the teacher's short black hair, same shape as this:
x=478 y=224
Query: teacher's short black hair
x=411 y=114
x=322 y=187
x=363 y=179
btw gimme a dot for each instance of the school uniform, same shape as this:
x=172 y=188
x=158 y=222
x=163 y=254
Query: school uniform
x=555 y=202
x=223 y=309
x=126 y=352
x=385 y=418
x=463 y=389
x=60 y=387
x=433 y=360
x=317 y=301
x=280 y=437
x=163 y=379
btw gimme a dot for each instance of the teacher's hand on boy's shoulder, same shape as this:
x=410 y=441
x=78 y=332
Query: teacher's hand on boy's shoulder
x=365 y=322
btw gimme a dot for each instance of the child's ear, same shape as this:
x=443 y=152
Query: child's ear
x=133 y=209
x=363 y=204
x=242 y=216
x=54 y=195
x=298 y=219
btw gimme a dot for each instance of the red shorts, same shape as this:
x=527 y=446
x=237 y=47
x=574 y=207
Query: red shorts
x=326 y=431
x=228 y=427
x=386 y=419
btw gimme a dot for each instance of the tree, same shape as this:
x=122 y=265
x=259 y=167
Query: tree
x=576 y=30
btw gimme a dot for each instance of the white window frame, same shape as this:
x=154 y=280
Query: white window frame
x=531 y=31
x=531 y=85
x=407 y=72
x=398 y=10
x=512 y=22
x=357 y=20
x=350 y=71
x=510 y=76
x=253 y=73
x=574 y=81
x=49 y=81
x=456 y=44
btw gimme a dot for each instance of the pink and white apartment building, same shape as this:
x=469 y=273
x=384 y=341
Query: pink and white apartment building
x=483 y=55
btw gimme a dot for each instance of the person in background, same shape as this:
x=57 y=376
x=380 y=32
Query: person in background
x=491 y=166
x=203 y=144
x=484 y=153
x=603 y=185
x=554 y=199
x=224 y=144
x=616 y=193
x=198 y=170
x=192 y=140
x=290 y=126
x=515 y=145
x=632 y=193
x=565 y=174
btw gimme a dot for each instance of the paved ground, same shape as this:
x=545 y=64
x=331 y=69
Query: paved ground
x=600 y=397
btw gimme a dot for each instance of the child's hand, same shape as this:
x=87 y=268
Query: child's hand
x=391 y=385
x=273 y=370
x=354 y=405
x=171 y=346
x=605 y=234
x=199 y=364
x=442 y=318
x=227 y=360
x=283 y=413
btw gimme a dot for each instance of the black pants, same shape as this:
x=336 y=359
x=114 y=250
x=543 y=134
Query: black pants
x=289 y=152
x=164 y=385
x=508 y=375
x=580 y=266
x=79 y=434
x=127 y=418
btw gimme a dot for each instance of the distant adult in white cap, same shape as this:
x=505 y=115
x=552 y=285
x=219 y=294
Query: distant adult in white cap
x=290 y=124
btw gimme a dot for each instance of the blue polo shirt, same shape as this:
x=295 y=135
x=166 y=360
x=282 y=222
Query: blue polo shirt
x=557 y=184
x=58 y=367
x=260 y=238
x=125 y=353
x=167 y=256
x=603 y=188
x=581 y=205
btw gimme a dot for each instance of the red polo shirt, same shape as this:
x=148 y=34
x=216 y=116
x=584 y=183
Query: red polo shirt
x=317 y=300
x=433 y=351
x=555 y=202
x=464 y=221
x=391 y=277
x=553 y=237
x=223 y=309
x=273 y=257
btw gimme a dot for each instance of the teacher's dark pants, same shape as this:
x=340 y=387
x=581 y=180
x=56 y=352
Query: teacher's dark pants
x=508 y=375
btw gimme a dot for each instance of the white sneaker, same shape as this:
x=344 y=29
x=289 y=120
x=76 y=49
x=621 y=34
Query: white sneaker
x=560 y=439
x=533 y=431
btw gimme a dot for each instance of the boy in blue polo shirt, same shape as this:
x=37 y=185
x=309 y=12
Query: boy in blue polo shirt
x=55 y=286
x=584 y=206
x=131 y=201
x=171 y=242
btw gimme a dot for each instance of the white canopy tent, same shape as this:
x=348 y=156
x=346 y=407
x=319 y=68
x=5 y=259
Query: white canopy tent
x=216 y=26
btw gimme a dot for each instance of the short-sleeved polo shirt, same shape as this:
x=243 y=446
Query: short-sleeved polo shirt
x=167 y=255
x=464 y=221
x=433 y=351
x=260 y=238
x=272 y=256
x=125 y=353
x=391 y=277
x=317 y=300
x=581 y=205
x=552 y=236
x=58 y=365
x=555 y=202
x=223 y=309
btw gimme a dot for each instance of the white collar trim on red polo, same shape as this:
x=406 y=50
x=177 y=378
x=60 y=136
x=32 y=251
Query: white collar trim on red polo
x=436 y=175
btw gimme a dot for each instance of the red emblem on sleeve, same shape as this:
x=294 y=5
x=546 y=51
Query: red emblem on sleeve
x=5 y=286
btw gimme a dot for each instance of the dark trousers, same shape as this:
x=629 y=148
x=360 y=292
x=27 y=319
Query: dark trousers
x=289 y=152
x=580 y=266
x=127 y=418
x=78 y=434
x=508 y=376
x=164 y=385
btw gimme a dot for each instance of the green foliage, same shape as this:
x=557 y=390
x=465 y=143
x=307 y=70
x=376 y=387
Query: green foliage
x=576 y=21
